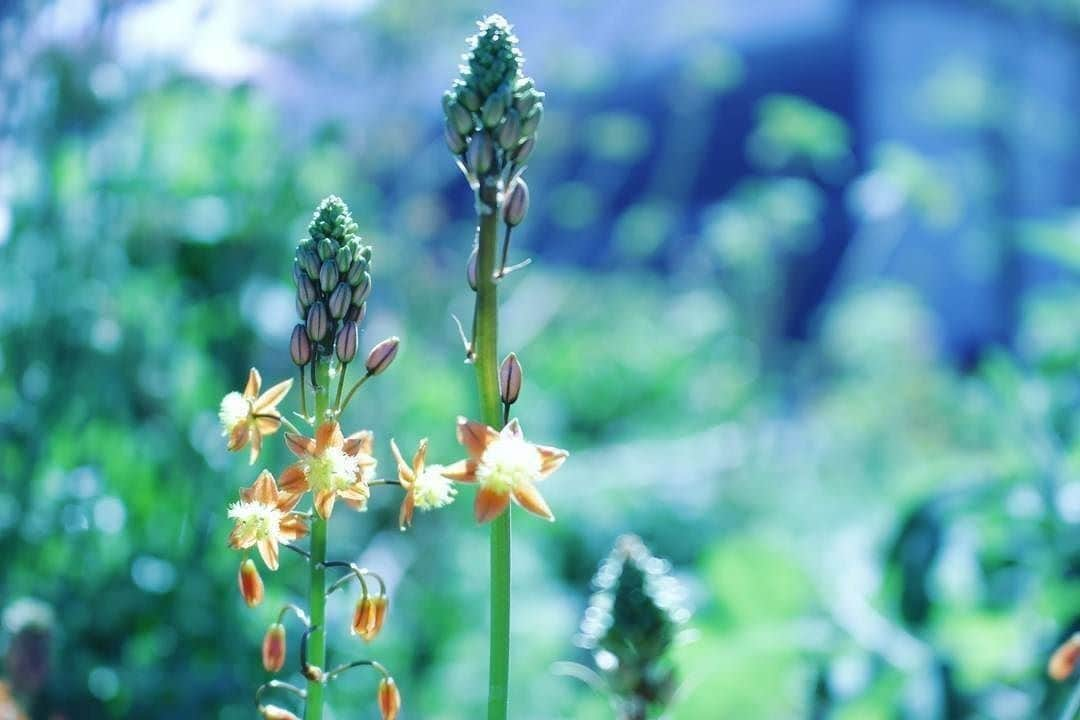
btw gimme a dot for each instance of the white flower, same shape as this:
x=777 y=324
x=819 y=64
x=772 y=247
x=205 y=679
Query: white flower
x=507 y=464
x=235 y=409
x=432 y=489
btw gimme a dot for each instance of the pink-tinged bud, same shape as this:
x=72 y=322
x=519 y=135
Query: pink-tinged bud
x=306 y=291
x=517 y=203
x=273 y=712
x=470 y=270
x=1063 y=661
x=382 y=355
x=317 y=321
x=251 y=584
x=356 y=314
x=328 y=275
x=363 y=289
x=389 y=699
x=346 y=341
x=363 y=619
x=510 y=379
x=338 y=304
x=300 y=346
x=273 y=648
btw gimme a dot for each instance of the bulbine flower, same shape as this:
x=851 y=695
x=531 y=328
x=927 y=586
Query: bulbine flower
x=505 y=466
x=389 y=698
x=264 y=518
x=331 y=466
x=426 y=487
x=248 y=416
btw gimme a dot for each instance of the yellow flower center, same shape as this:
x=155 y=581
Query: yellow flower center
x=507 y=463
x=234 y=410
x=333 y=469
x=432 y=490
x=256 y=521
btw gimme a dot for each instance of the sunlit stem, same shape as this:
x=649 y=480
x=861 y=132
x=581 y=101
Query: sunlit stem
x=340 y=385
x=303 y=393
x=315 y=645
x=355 y=664
x=352 y=391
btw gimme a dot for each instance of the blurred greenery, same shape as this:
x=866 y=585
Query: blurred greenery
x=868 y=523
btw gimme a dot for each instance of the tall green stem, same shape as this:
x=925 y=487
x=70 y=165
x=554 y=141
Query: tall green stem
x=317 y=586
x=485 y=347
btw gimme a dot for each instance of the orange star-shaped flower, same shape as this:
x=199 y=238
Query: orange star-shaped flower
x=331 y=466
x=248 y=416
x=264 y=518
x=506 y=466
x=426 y=486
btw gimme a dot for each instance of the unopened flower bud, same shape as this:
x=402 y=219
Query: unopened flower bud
x=301 y=311
x=251 y=584
x=509 y=133
x=338 y=304
x=493 y=110
x=460 y=118
x=346 y=341
x=524 y=150
x=382 y=605
x=273 y=648
x=1064 y=660
x=526 y=101
x=455 y=140
x=470 y=269
x=470 y=99
x=510 y=379
x=356 y=271
x=363 y=619
x=326 y=249
x=328 y=275
x=344 y=259
x=297 y=271
x=306 y=292
x=357 y=313
x=362 y=290
x=516 y=205
x=318 y=322
x=532 y=120
x=481 y=153
x=365 y=252
x=309 y=260
x=382 y=355
x=300 y=346
x=389 y=699
x=273 y=712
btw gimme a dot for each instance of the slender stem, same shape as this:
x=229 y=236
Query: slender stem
x=340 y=384
x=316 y=647
x=505 y=252
x=352 y=391
x=1073 y=706
x=303 y=393
x=485 y=348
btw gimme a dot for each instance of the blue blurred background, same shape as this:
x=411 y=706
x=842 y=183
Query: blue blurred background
x=803 y=307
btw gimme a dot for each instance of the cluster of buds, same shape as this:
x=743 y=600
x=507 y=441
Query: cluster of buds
x=630 y=626
x=493 y=110
x=333 y=281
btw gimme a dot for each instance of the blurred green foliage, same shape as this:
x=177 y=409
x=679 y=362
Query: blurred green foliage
x=866 y=529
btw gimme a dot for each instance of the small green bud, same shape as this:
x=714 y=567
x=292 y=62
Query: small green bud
x=338 y=304
x=461 y=119
x=526 y=101
x=365 y=253
x=306 y=292
x=524 y=150
x=344 y=259
x=509 y=133
x=326 y=249
x=318 y=322
x=382 y=355
x=454 y=140
x=493 y=110
x=470 y=99
x=356 y=271
x=309 y=260
x=346 y=340
x=481 y=153
x=516 y=205
x=297 y=271
x=300 y=346
x=532 y=120
x=328 y=276
x=363 y=289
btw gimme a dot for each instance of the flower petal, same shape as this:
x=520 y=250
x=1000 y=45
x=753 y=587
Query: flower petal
x=475 y=436
x=268 y=548
x=527 y=496
x=268 y=423
x=419 y=458
x=300 y=445
x=239 y=436
x=328 y=435
x=405 y=474
x=293 y=527
x=463 y=471
x=407 y=505
x=324 y=503
x=294 y=482
x=551 y=458
x=273 y=396
x=256 y=447
x=359 y=442
x=513 y=430
x=264 y=489
x=254 y=382
x=357 y=493
x=235 y=540
x=490 y=504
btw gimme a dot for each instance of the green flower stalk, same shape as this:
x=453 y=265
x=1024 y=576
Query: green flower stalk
x=492 y=114
x=332 y=275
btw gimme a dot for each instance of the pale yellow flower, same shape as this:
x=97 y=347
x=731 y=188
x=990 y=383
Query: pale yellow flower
x=331 y=466
x=264 y=518
x=248 y=416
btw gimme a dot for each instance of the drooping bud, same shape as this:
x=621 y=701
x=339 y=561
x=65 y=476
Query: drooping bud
x=273 y=648
x=363 y=619
x=328 y=276
x=1064 y=660
x=455 y=140
x=524 y=150
x=363 y=289
x=346 y=340
x=470 y=269
x=251 y=584
x=273 y=712
x=517 y=203
x=481 y=153
x=389 y=699
x=509 y=133
x=339 y=301
x=510 y=379
x=306 y=292
x=382 y=355
x=382 y=605
x=318 y=322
